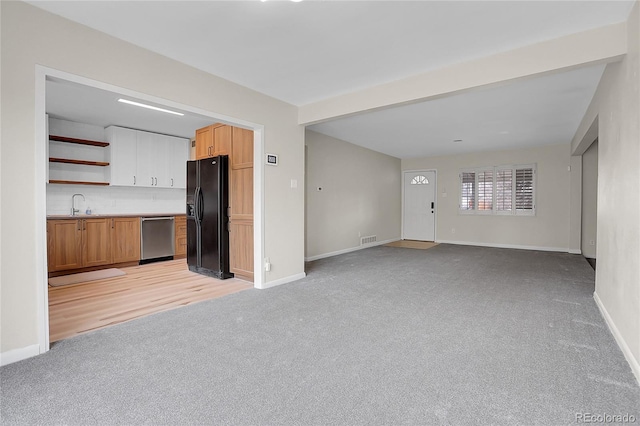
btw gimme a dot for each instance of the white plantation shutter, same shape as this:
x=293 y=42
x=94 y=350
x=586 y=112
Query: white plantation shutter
x=504 y=190
x=485 y=190
x=524 y=190
x=467 y=191
x=500 y=190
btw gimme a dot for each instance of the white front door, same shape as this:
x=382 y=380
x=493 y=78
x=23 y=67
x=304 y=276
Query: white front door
x=419 y=206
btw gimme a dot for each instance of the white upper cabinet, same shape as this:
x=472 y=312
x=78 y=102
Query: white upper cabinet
x=146 y=153
x=156 y=161
x=123 y=156
x=180 y=156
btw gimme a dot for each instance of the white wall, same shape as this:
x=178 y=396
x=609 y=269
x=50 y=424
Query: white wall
x=590 y=200
x=547 y=230
x=615 y=112
x=360 y=195
x=32 y=37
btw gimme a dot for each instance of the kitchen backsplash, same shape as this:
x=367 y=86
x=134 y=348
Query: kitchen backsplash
x=114 y=199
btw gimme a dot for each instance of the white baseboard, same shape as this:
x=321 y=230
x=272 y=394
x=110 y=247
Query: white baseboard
x=575 y=251
x=16 y=355
x=633 y=362
x=284 y=280
x=510 y=246
x=348 y=250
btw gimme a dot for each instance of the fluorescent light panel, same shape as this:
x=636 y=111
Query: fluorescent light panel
x=126 y=101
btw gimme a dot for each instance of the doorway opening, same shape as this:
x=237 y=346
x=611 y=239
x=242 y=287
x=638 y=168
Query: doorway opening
x=44 y=75
x=589 y=222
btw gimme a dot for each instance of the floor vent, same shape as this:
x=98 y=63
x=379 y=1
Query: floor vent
x=368 y=240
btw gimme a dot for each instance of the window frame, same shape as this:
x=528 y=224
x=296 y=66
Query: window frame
x=494 y=210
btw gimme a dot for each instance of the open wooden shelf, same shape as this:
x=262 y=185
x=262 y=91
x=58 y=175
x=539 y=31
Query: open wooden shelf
x=78 y=141
x=77 y=182
x=83 y=162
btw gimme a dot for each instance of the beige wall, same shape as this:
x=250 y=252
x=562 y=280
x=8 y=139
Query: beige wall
x=31 y=36
x=590 y=200
x=548 y=229
x=615 y=112
x=360 y=195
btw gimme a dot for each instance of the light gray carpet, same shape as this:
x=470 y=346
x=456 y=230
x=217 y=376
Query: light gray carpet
x=451 y=335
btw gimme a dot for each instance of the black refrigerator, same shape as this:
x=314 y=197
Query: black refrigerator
x=207 y=217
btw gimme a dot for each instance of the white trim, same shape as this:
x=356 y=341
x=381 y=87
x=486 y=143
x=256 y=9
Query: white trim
x=509 y=246
x=41 y=161
x=42 y=73
x=284 y=280
x=16 y=355
x=633 y=362
x=259 y=275
x=576 y=251
x=435 y=200
x=348 y=250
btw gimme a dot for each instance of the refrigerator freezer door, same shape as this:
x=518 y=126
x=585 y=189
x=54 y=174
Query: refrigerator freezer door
x=193 y=235
x=209 y=206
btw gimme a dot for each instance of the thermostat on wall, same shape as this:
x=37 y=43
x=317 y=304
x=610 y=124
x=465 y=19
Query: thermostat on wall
x=272 y=159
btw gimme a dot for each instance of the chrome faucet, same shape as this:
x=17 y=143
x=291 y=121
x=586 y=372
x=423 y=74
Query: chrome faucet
x=73 y=204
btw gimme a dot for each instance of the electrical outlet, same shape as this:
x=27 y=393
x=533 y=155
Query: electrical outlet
x=592 y=243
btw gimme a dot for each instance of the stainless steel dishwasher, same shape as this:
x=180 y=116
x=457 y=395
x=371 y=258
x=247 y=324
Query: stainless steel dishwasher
x=157 y=238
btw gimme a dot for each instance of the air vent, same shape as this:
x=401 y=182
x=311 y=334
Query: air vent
x=368 y=240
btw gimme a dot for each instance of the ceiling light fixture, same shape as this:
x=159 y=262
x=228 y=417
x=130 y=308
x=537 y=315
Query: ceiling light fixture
x=126 y=101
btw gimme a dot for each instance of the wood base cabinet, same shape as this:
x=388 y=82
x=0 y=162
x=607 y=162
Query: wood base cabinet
x=180 y=243
x=78 y=243
x=64 y=244
x=92 y=242
x=125 y=239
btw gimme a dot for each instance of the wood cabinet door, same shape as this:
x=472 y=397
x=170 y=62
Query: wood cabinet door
x=96 y=241
x=241 y=204
x=222 y=140
x=204 y=142
x=64 y=238
x=180 y=242
x=125 y=239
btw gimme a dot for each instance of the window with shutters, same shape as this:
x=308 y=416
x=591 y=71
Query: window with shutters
x=504 y=190
x=468 y=191
x=485 y=190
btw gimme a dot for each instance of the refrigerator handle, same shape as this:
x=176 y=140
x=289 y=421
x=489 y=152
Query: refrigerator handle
x=200 y=205
x=196 y=204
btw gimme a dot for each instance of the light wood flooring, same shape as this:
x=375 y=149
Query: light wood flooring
x=145 y=289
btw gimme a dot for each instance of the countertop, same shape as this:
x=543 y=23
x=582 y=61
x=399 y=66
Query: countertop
x=86 y=216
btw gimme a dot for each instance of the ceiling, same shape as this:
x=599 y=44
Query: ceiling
x=538 y=111
x=304 y=52
x=84 y=104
